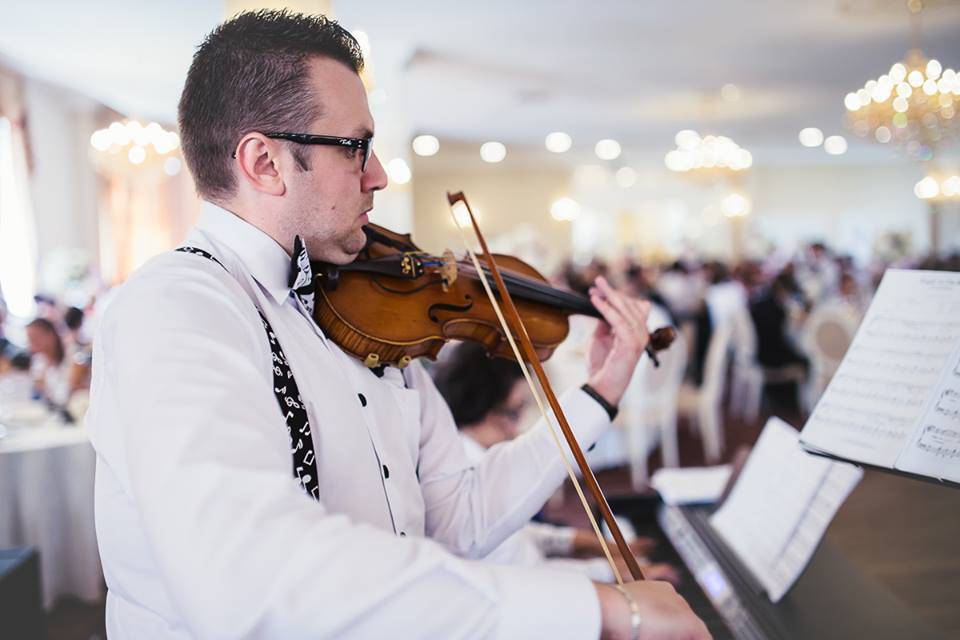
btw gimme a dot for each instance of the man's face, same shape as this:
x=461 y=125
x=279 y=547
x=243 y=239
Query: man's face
x=328 y=204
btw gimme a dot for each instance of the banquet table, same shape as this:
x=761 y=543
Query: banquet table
x=46 y=502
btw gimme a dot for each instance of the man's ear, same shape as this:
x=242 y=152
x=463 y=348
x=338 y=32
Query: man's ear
x=258 y=161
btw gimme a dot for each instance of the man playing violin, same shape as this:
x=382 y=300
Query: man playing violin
x=212 y=383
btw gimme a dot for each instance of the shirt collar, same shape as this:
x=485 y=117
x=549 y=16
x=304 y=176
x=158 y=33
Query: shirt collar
x=265 y=260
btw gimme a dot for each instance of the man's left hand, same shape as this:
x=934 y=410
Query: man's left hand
x=618 y=341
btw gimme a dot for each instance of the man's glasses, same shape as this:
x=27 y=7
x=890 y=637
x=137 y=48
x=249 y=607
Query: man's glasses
x=360 y=144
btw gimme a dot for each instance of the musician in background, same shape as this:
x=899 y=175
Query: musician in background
x=254 y=480
x=487 y=397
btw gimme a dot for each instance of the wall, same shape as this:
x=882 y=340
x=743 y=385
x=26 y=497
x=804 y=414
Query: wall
x=63 y=184
x=513 y=205
x=661 y=216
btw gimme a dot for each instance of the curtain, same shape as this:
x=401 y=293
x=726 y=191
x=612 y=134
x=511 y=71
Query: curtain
x=18 y=240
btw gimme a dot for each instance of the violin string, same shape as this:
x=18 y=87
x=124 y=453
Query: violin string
x=540 y=404
x=546 y=294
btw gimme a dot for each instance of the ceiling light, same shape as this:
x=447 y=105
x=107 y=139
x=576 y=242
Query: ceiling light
x=558 y=142
x=811 y=137
x=607 y=149
x=426 y=145
x=835 y=145
x=493 y=151
x=735 y=205
x=399 y=171
x=565 y=209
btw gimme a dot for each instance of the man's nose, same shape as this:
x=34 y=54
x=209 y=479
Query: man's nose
x=375 y=177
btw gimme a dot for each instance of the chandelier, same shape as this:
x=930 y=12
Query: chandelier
x=707 y=156
x=913 y=106
x=938 y=188
x=129 y=146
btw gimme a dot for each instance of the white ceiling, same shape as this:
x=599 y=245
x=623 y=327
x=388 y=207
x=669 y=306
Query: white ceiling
x=513 y=71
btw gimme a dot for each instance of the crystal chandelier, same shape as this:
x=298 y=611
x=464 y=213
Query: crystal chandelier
x=125 y=147
x=707 y=156
x=938 y=188
x=913 y=106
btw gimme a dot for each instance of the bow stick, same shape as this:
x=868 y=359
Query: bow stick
x=513 y=326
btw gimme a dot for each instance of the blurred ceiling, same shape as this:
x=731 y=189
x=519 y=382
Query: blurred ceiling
x=514 y=71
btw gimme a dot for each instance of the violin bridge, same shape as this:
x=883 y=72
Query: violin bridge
x=449 y=270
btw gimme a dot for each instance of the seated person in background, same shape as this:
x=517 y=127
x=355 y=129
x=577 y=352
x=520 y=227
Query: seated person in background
x=775 y=348
x=49 y=367
x=487 y=398
x=78 y=349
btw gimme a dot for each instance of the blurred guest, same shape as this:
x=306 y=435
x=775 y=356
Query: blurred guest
x=49 y=365
x=77 y=348
x=681 y=290
x=850 y=296
x=639 y=284
x=487 y=397
x=817 y=272
x=771 y=314
x=725 y=296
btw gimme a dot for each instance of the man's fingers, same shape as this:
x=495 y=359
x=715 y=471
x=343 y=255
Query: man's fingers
x=617 y=299
x=610 y=313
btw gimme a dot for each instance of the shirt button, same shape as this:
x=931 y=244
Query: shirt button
x=363 y=399
x=386 y=472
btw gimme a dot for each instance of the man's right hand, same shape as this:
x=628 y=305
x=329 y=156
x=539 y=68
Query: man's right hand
x=664 y=614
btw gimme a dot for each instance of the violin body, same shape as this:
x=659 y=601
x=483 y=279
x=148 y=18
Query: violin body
x=387 y=312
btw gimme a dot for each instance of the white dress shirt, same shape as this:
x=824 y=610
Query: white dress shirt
x=537 y=543
x=204 y=532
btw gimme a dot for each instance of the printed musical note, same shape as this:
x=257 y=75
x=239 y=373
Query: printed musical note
x=948 y=403
x=872 y=406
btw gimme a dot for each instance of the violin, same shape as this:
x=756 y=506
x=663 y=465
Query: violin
x=395 y=303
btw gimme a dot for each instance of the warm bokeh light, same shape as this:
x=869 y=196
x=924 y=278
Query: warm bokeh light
x=735 y=205
x=626 y=177
x=493 y=152
x=425 y=145
x=565 y=209
x=835 y=145
x=558 y=142
x=811 y=137
x=399 y=171
x=607 y=149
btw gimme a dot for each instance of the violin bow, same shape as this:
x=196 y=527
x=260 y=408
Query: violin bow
x=513 y=326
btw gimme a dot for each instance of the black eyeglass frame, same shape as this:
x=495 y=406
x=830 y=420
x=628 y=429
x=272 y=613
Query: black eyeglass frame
x=361 y=144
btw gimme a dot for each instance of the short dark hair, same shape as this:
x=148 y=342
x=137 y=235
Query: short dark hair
x=48 y=327
x=250 y=74
x=473 y=383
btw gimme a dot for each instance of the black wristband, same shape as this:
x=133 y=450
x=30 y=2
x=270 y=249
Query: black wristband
x=609 y=408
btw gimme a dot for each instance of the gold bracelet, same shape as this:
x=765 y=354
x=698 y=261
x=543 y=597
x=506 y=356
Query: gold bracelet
x=635 y=618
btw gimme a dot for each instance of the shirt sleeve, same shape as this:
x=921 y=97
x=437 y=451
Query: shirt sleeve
x=200 y=447
x=551 y=539
x=473 y=507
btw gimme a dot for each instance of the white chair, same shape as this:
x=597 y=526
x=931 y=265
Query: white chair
x=703 y=404
x=827 y=335
x=649 y=411
x=746 y=385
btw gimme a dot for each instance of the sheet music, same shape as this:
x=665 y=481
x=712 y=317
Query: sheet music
x=934 y=449
x=871 y=407
x=781 y=506
x=691 y=485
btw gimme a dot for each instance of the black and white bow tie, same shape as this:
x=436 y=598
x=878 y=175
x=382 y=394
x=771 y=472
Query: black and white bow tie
x=301 y=275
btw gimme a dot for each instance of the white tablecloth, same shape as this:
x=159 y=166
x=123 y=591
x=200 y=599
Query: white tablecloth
x=46 y=502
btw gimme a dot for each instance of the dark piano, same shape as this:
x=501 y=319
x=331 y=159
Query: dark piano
x=832 y=599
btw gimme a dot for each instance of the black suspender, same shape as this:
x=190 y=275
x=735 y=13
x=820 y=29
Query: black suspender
x=291 y=405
